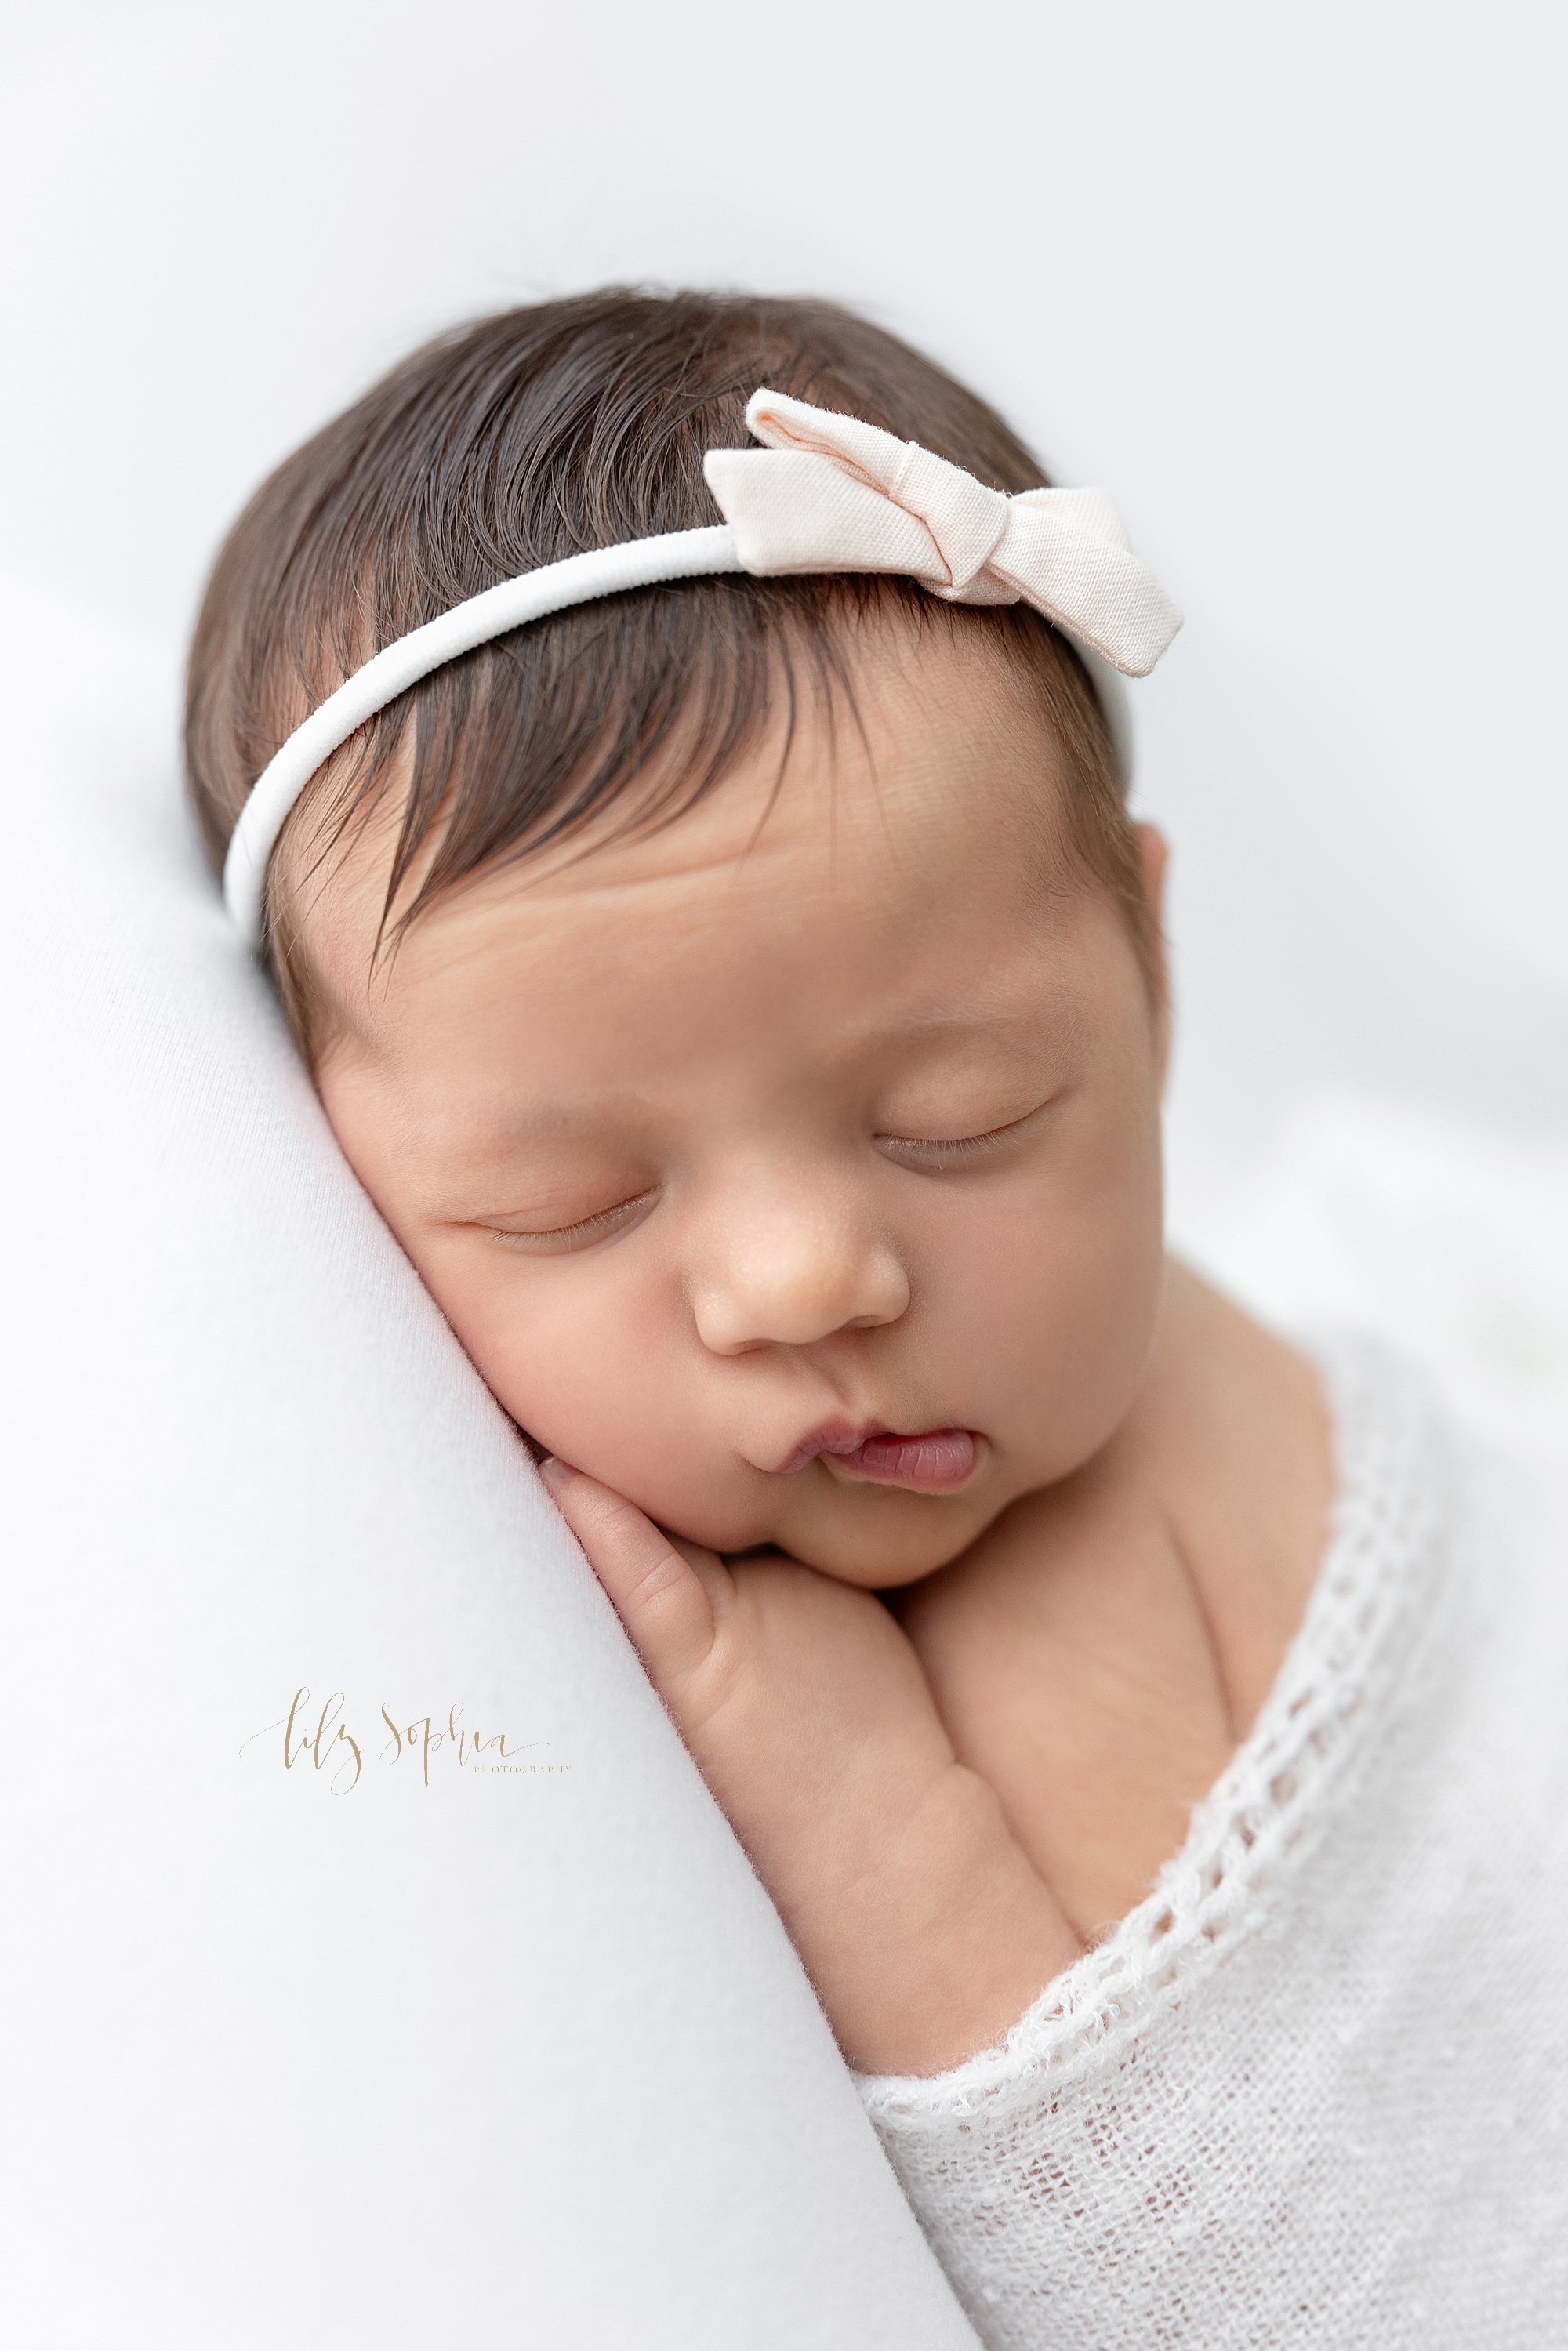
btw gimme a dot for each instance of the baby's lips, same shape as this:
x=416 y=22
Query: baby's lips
x=937 y=1461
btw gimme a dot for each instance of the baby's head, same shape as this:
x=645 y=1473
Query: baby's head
x=741 y=996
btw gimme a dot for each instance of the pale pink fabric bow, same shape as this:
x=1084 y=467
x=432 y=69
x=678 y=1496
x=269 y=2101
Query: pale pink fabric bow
x=828 y=493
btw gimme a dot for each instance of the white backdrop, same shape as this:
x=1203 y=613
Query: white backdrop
x=1287 y=279
x=1283 y=279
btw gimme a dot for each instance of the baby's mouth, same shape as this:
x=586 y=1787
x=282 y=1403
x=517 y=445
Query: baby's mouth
x=934 y=1461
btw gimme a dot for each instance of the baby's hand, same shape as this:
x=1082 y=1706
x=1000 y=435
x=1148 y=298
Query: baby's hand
x=922 y=1923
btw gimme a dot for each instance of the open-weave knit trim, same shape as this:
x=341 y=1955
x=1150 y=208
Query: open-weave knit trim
x=1271 y=1797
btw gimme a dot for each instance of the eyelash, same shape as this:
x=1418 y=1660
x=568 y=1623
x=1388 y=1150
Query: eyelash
x=589 y=1227
x=964 y=1146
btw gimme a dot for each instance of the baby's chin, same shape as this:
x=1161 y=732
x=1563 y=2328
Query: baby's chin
x=873 y=1536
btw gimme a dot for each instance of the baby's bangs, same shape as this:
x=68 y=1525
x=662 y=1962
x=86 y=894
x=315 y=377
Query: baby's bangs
x=644 y=703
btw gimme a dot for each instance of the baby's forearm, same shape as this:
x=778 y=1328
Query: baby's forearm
x=939 y=1942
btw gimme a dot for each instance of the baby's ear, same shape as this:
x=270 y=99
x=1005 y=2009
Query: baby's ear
x=1154 y=856
x=1154 y=862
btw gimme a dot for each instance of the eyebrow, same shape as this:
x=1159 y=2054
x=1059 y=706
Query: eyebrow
x=1067 y=1019
x=489 y=1135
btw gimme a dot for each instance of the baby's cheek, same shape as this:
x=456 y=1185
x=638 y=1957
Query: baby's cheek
x=1051 y=1317
x=596 y=1380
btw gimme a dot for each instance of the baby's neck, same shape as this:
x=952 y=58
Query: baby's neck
x=1230 y=1442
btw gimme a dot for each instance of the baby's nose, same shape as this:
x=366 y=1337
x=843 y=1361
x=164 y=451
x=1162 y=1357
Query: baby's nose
x=792 y=1276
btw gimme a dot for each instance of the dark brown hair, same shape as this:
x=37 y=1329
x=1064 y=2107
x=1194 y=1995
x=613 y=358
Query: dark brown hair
x=517 y=440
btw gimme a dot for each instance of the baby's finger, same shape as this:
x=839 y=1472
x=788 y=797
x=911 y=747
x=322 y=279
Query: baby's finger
x=658 y=1593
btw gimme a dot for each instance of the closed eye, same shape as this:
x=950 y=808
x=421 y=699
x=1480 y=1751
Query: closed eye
x=930 y=1152
x=555 y=1240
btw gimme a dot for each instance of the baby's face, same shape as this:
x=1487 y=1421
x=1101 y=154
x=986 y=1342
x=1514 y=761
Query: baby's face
x=819 y=1118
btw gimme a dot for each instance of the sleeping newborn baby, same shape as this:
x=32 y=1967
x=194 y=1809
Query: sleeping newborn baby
x=742 y=995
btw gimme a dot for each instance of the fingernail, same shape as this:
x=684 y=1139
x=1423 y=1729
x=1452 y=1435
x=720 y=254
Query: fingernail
x=555 y=1472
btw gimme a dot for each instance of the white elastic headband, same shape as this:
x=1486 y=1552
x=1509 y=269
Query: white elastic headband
x=825 y=492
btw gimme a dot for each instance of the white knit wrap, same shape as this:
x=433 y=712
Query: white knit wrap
x=1312 y=2092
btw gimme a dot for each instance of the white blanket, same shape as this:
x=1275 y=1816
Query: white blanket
x=296 y=2056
